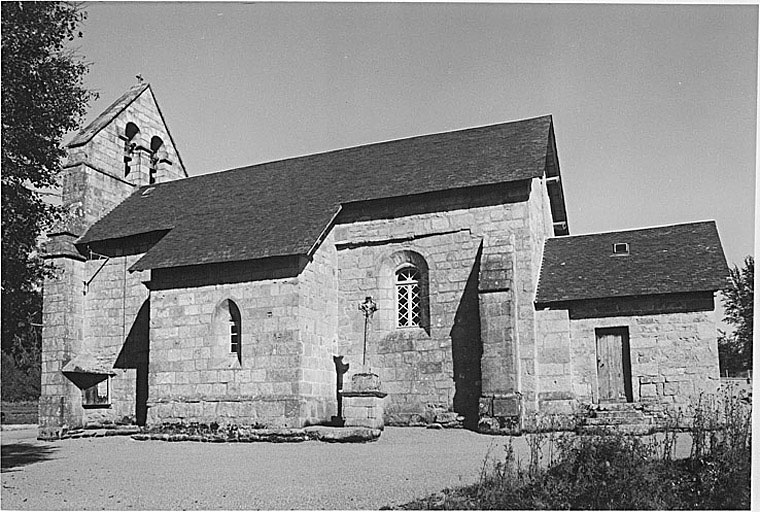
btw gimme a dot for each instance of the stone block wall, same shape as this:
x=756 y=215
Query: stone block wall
x=93 y=183
x=63 y=311
x=94 y=179
x=555 y=373
x=105 y=151
x=415 y=365
x=674 y=356
x=529 y=253
x=194 y=377
x=318 y=327
x=88 y=194
x=439 y=365
x=116 y=323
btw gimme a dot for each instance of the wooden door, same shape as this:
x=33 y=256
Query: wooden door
x=613 y=365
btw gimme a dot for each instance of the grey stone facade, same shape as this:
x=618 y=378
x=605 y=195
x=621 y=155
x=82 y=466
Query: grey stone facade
x=481 y=349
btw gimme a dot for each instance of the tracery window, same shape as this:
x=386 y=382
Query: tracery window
x=408 y=297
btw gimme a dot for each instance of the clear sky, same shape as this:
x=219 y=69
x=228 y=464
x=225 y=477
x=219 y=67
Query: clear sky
x=654 y=107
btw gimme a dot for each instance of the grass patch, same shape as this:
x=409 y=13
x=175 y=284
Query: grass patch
x=616 y=471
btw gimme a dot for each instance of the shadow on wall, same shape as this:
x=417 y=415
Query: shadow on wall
x=135 y=355
x=24 y=454
x=467 y=348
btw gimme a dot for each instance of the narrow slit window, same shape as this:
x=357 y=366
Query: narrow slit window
x=234 y=330
x=234 y=336
x=130 y=132
x=156 y=150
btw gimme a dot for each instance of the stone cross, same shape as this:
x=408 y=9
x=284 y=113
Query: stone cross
x=368 y=307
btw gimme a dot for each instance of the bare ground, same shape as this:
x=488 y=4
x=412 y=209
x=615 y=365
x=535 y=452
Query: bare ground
x=121 y=473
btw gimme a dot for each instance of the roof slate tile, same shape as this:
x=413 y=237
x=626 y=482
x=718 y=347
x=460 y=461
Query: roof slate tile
x=669 y=259
x=280 y=208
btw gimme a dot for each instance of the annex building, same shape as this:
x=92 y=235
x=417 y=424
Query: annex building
x=224 y=297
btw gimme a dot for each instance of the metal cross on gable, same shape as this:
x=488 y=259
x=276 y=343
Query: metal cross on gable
x=368 y=307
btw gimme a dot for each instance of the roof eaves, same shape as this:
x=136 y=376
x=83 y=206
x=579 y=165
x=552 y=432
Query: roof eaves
x=544 y=302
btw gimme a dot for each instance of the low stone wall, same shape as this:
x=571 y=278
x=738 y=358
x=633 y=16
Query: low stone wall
x=19 y=413
x=177 y=432
x=274 y=412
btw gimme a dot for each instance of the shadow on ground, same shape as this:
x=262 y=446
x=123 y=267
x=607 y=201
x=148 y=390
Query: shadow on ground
x=23 y=454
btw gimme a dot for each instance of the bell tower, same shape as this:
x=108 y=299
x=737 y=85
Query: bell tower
x=127 y=146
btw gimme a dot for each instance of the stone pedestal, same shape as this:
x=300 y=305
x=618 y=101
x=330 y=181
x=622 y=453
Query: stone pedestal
x=363 y=402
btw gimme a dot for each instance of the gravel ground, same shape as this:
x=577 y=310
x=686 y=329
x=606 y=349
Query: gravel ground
x=120 y=473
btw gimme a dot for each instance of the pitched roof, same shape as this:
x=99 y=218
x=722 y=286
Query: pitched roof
x=668 y=259
x=281 y=208
x=88 y=132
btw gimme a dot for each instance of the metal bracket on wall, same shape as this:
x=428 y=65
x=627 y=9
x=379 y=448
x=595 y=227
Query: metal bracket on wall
x=99 y=256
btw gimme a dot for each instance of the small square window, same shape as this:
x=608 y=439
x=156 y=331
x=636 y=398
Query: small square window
x=620 y=249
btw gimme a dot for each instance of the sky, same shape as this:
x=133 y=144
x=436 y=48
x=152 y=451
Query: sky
x=654 y=106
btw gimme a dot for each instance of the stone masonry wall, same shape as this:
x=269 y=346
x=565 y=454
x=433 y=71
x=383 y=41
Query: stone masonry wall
x=529 y=256
x=438 y=366
x=93 y=184
x=116 y=320
x=674 y=356
x=556 y=377
x=60 y=400
x=194 y=377
x=318 y=328
x=105 y=151
x=94 y=180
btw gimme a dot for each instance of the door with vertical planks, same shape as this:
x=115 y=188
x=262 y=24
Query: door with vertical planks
x=613 y=365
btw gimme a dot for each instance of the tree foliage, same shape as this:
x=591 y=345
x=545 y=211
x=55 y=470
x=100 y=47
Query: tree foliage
x=43 y=98
x=735 y=348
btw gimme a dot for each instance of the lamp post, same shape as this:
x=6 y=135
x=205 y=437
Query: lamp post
x=368 y=307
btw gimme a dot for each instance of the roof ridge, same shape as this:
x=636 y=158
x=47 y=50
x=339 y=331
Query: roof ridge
x=359 y=146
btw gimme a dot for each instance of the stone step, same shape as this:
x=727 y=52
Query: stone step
x=619 y=421
x=636 y=429
x=619 y=414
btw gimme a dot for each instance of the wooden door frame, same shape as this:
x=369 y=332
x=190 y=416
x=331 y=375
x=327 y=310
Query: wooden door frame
x=625 y=360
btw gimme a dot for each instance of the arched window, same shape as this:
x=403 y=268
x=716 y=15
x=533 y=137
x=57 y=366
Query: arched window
x=227 y=333
x=156 y=152
x=130 y=132
x=408 y=297
x=233 y=324
x=403 y=301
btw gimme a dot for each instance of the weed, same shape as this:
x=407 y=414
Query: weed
x=618 y=471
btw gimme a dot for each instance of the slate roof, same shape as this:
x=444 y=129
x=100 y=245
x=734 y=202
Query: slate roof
x=88 y=132
x=281 y=208
x=668 y=259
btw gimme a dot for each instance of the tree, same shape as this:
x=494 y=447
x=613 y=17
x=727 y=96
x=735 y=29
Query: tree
x=735 y=348
x=43 y=98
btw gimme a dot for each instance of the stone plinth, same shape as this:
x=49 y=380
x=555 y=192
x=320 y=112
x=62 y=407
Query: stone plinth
x=363 y=409
x=363 y=402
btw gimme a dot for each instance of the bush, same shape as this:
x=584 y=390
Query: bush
x=617 y=471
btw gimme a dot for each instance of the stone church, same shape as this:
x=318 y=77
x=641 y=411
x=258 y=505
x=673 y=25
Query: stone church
x=225 y=297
